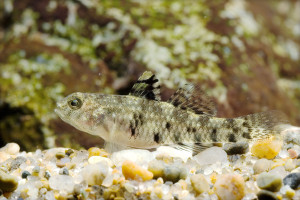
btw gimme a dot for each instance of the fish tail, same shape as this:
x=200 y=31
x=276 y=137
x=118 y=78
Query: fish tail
x=263 y=125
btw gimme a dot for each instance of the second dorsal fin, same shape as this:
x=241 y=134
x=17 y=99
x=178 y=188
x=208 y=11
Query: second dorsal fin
x=193 y=99
x=146 y=86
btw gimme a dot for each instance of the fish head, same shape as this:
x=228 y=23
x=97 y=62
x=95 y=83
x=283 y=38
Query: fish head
x=82 y=110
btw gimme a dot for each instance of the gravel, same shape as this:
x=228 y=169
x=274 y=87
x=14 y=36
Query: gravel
x=165 y=173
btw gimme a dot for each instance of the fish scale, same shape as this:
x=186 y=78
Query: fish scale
x=187 y=120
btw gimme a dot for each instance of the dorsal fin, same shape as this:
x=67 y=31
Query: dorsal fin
x=193 y=99
x=146 y=86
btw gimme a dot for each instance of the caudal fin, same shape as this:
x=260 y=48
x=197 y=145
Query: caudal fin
x=263 y=125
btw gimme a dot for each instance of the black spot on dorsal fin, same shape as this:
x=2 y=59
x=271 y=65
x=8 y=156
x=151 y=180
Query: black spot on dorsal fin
x=146 y=86
x=193 y=99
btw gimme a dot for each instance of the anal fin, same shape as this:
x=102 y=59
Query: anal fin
x=113 y=147
x=195 y=148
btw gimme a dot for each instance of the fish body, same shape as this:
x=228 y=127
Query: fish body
x=141 y=120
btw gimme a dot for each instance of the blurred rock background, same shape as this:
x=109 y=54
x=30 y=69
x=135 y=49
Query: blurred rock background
x=245 y=54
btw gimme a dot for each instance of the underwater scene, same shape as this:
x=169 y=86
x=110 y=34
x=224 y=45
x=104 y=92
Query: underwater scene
x=141 y=99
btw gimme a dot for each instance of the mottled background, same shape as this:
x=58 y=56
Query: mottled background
x=245 y=54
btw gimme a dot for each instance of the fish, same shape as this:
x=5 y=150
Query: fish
x=141 y=120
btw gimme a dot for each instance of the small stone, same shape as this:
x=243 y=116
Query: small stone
x=69 y=152
x=11 y=148
x=211 y=156
x=132 y=171
x=94 y=174
x=290 y=165
x=60 y=155
x=230 y=187
x=172 y=173
x=47 y=175
x=36 y=171
x=60 y=164
x=280 y=171
x=266 y=195
x=262 y=165
x=236 y=148
x=95 y=151
x=293 y=180
x=97 y=159
x=267 y=148
x=157 y=168
x=292 y=153
x=290 y=193
x=15 y=164
x=199 y=183
x=269 y=182
x=62 y=182
x=137 y=156
x=64 y=171
x=25 y=174
x=4 y=156
x=8 y=183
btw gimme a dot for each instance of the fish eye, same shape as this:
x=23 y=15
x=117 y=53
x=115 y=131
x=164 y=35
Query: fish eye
x=75 y=103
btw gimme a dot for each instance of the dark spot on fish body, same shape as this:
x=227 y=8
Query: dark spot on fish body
x=194 y=130
x=246 y=125
x=156 y=137
x=197 y=137
x=229 y=122
x=168 y=126
x=235 y=130
x=213 y=135
x=177 y=137
x=231 y=137
x=188 y=129
x=246 y=135
x=132 y=129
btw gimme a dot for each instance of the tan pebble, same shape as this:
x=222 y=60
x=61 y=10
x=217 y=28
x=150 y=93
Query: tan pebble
x=4 y=156
x=11 y=148
x=292 y=153
x=262 y=165
x=277 y=163
x=290 y=165
x=199 y=183
x=158 y=192
x=98 y=159
x=266 y=148
x=183 y=184
x=60 y=164
x=230 y=187
x=60 y=155
x=132 y=171
x=8 y=183
x=95 y=151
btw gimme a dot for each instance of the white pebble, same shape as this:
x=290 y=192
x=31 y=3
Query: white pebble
x=279 y=171
x=97 y=159
x=49 y=195
x=62 y=182
x=11 y=148
x=138 y=156
x=211 y=155
x=94 y=174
